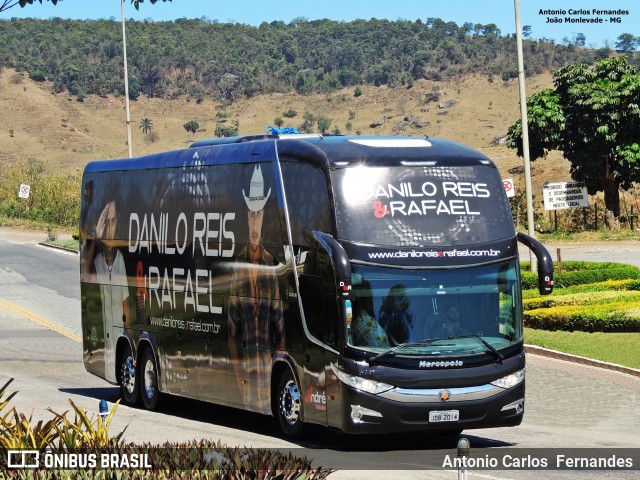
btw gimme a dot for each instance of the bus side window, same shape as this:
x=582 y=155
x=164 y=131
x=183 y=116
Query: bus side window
x=307 y=196
x=318 y=294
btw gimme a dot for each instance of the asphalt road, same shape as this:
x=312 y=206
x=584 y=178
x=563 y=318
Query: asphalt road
x=568 y=405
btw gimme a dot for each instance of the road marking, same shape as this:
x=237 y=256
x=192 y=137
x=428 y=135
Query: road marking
x=39 y=320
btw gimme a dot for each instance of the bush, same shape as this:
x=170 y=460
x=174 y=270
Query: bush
x=589 y=296
x=582 y=299
x=590 y=287
x=225 y=131
x=199 y=460
x=591 y=318
x=581 y=273
x=54 y=197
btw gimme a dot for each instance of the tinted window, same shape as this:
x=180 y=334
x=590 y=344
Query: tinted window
x=421 y=206
x=307 y=199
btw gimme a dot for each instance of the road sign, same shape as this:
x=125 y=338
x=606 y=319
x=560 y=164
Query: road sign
x=509 y=187
x=562 y=195
x=24 y=191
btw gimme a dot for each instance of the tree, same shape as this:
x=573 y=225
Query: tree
x=526 y=31
x=323 y=123
x=592 y=116
x=225 y=131
x=7 y=4
x=146 y=125
x=307 y=125
x=191 y=126
x=626 y=43
x=136 y=3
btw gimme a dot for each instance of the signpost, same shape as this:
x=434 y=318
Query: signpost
x=509 y=187
x=24 y=190
x=563 y=195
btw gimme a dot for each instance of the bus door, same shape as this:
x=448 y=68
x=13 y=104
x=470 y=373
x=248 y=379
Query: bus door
x=321 y=313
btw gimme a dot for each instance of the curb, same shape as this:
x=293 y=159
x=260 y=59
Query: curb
x=57 y=247
x=545 y=352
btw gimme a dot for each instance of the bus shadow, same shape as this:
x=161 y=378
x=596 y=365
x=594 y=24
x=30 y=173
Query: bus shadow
x=110 y=394
x=190 y=409
x=320 y=437
x=314 y=438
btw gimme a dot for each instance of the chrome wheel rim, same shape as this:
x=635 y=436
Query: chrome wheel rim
x=149 y=379
x=290 y=402
x=128 y=375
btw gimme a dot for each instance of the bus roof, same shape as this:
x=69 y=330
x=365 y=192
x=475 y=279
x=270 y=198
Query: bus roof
x=332 y=151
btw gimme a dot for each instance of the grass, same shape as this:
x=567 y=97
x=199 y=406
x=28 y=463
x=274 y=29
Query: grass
x=601 y=235
x=618 y=348
x=69 y=244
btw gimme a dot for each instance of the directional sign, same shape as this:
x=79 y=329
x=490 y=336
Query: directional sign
x=562 y=195
x=23 y=191
x=509 y=187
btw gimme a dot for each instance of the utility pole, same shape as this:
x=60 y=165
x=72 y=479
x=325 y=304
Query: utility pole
x=126 y=83
x=525 y=132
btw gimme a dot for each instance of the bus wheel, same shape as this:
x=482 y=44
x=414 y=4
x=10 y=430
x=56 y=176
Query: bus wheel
x=129 y=383
x=289 y=405
x=149 y=380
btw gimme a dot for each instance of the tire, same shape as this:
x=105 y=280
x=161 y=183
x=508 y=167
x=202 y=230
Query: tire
x=129 y=378
x=289 y=405
x=149 y=380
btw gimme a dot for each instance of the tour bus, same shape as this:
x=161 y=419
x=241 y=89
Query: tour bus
x=369 y=284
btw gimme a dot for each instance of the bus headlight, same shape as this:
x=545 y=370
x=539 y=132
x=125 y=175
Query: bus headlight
x=362 y=384
x=510 y=380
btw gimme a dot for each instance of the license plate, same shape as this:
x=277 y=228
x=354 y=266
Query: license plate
x=444 y=416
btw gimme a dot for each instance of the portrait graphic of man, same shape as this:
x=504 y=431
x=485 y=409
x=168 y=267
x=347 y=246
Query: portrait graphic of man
x=255 y=322
x=107 y=269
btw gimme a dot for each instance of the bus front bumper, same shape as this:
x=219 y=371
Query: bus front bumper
x=402 y=410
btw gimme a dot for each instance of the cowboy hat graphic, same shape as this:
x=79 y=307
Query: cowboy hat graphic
x=256 y=199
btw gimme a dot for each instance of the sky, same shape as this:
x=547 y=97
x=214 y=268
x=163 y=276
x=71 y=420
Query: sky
x=254 y=12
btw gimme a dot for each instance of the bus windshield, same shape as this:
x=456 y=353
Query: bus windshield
x=435 y=312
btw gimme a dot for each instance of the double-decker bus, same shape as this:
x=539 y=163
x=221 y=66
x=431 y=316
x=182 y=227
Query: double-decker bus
x=370 y=284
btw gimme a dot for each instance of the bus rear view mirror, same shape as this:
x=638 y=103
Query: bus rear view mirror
x=339 y=259
x=545 y=263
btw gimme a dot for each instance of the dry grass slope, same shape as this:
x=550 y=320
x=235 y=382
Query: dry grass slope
x=66 y=134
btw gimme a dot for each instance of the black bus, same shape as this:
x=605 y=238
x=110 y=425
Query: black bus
x=370 y=284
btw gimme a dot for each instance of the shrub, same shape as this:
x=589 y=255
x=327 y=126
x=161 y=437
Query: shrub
x=580 y=273
x=583 y=299
x=54 y=198
x=607 y=318
x=225 y=131
x=191 y=126
x=52 y=236
x=590 y=287
x=590 y=296
x=38 y=75
x=634 y=285
x=199 y=460
x=18 y=431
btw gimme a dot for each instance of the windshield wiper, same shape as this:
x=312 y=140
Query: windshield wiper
x=427 y=343
x=424 y=343
x=491 y=348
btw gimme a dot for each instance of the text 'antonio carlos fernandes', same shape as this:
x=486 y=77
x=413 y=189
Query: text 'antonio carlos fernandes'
x=541 y=462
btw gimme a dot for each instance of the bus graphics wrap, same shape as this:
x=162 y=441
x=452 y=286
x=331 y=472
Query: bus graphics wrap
x=369 y=284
